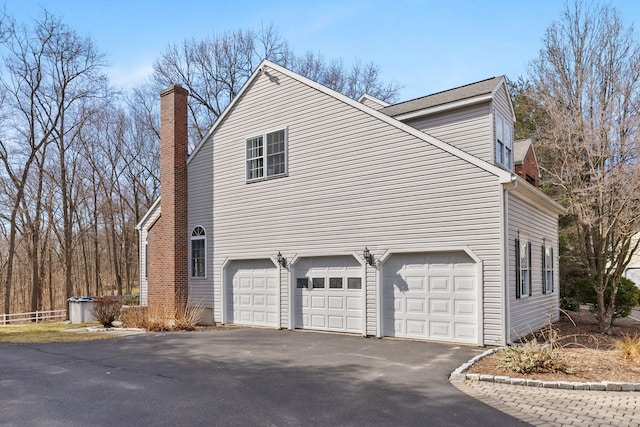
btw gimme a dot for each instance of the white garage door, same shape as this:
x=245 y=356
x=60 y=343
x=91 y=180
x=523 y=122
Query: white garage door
x=252 y=293
x=431 y=296
x=328 y=294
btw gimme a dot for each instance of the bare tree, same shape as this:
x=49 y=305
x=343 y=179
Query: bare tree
x=214 y=70
x=587 y=81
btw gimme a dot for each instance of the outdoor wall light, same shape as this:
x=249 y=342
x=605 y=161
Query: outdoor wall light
x=367 y=256
x=281 y=260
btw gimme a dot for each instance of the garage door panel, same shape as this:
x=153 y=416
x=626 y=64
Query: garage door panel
x=440 y=330
x=439 y=284
x=336 y=303
x=318 y=302
x=416 y=305
x=464 y=308
x=414 y=284
x=318 y=321
x=444 y=309
x=354 y=323
x=439 y=306
x=353 y=303
x=465 y=331
x=464 y=284
x=336 y=322
x=415 y=328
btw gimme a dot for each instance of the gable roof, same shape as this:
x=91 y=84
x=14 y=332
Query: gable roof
x=520 y=149
x=503 y=175
x=152 y=209
x=479 y=91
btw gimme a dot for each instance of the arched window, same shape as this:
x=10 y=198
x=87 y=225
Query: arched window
x=198 y=252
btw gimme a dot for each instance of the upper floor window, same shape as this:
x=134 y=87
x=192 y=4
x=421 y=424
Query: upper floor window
x=504 y=143
x=523 y=268
x=198 y=252
x=266 y=160
x=547 y=269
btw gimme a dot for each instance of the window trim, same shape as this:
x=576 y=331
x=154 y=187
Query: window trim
x=193 y=238
x=265 y=156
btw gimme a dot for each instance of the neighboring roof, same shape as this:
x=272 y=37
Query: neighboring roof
x=473 y=90
x=503 y=175
x=520 y=149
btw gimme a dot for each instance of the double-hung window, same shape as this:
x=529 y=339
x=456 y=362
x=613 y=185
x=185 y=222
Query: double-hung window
x=504 y=143
x=523 y=268
x=266 y=155
x=198 y=252
x=547 y=269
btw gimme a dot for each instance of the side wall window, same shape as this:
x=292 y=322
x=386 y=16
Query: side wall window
x=146 y=258
x=504 y=143
x=547 y=269
x=523 y=268
x=198 y=252
x=266 y=160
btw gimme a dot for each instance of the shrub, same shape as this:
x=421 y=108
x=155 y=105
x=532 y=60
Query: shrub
x=134 y=317
x=188 y=317
x=533 y=357
x=626 y=298
x=161 y=318
x=131 y=300
x=569 y=303
x=629 y=348
x=106 y=309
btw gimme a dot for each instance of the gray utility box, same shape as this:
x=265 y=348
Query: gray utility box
x=81 y=309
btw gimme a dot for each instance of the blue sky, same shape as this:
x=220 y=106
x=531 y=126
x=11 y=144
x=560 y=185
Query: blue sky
x=425 y=46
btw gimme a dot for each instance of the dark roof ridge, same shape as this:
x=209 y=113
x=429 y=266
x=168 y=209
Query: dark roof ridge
x=446 y=90
x=460 y=93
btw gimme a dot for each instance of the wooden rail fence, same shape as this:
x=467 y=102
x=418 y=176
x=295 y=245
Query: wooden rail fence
x=36 y=316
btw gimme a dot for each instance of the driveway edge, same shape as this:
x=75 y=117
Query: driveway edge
x=459 y=374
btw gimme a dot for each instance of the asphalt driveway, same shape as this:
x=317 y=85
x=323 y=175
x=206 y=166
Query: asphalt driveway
x=238 y=377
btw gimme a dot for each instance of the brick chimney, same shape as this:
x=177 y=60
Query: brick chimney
x=168 y=238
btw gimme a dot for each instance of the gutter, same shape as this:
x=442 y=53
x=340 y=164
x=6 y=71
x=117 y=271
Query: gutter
x=505 y=307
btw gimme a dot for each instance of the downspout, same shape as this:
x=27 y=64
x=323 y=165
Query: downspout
x=504 y=225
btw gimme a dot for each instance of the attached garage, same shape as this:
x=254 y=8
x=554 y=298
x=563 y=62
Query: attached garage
x=252 y=293
x=328 y=294
x=432 y=296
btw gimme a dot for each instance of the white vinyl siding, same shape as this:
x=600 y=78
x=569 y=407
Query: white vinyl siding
x=531 y=313
x=200 y=196
x=386 y=189
x=144 y=253
x=468 y=129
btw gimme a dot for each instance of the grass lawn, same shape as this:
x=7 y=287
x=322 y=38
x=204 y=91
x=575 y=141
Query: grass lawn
x=47 y=333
